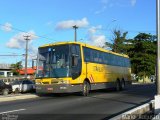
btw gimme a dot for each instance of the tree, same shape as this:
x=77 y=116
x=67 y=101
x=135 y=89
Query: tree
x=142 y=52
x=119 y=41
x=16 y=67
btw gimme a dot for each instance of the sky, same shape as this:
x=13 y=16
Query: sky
x=49 y=21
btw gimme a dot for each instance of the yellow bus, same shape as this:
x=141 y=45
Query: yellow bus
x=66 y=67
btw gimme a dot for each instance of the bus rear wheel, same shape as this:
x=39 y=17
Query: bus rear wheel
x=86 y=88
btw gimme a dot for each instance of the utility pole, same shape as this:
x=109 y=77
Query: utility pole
x=157 y=97
x=26 y=55
x=158 y=47
x=75 y=32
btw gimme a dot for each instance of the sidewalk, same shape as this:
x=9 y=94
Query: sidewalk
x=12 y=97
x=135 y=113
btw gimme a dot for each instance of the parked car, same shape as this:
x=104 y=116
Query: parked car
x=4 y=88
x=23 y=85
x=7 y=81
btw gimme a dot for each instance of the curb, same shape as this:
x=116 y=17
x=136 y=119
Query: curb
x=18 y=97
x=141 y=83
x=157 y=117
x=134 y=113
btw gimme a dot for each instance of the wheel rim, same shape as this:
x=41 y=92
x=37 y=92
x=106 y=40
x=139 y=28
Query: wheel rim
x=5 y=92
x=85 y=89
x=118 y=86
x=17 y=90
x=123 y=85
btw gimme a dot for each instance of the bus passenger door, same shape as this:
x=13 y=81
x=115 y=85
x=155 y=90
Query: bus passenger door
x=76 y=62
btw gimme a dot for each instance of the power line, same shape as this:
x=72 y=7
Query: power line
x=107 y=29
x=11 y=55
x=27 y=32
x=100 y=29
x=129 y=31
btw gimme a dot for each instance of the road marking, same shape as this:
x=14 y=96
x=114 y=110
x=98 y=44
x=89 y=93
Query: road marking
x=12 y=111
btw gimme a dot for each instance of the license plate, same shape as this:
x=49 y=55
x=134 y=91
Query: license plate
x=49 y=89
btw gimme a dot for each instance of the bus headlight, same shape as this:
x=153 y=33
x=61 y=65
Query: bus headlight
x=37 y=83
x=59 y=81
x=63 y=82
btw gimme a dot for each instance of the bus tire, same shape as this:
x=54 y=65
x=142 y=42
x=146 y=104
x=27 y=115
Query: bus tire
x=86 y=88
x=122 y=84
x=118 y=85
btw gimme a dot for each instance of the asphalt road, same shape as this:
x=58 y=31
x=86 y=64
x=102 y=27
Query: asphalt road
x=100 y=104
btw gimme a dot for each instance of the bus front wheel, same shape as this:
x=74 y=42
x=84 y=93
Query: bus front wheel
x=86 y=88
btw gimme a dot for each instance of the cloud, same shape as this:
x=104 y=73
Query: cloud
x=114 y=3
x=7 y=27
x=105 y=1
x=69 y=23
x=133 y=2
x=18 y=42
x=50 y=23
x=94 y=29
x=33 y=52
x=101 y=10
x=98 y=40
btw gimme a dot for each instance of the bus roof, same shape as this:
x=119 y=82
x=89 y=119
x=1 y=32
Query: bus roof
x=83 y=44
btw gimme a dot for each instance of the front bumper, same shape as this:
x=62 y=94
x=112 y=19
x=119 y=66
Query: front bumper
x=58 y=88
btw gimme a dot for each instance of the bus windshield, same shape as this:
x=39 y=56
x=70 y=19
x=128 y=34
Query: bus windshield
x=53 y=61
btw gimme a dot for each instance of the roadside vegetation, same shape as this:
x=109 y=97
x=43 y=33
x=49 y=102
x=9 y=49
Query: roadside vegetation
x=16 y=67
x=141 y=50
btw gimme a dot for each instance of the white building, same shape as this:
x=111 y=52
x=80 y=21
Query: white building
x=5 y=70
